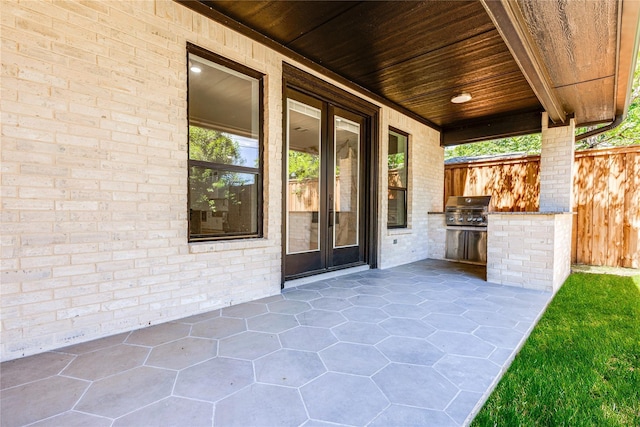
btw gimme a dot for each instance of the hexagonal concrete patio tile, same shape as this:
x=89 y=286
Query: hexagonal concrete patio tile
x=461 y=344
x=224 y=377
x=314 y=286
x=244 y=310
x=410 y=350
x=248 y=345
x=517 y=313
x=109 y=361
x=123 y=393
x=365 y=314
x=438 y=295
x=307 y=338
x=337 y=293
x=43 y=399
x=158 y=334
x=502 y=302
x=468 y=373
x=197 y=318
x=332 y=304
x=477 y=304
x=461 y=407
x=450 y=322
x=261 y=405
x=316 y=423
x=500 y=337
x=368 y=301
x=99 y=344
x=399 y=383
x=320 y=318
x=299 y=294
x=290 y=368
x=407 y=327
x=409 y=311
x=442 y=307
x=33 y=368
x=403 y=288
x=288 y=307
x=372 y=290
x=74 y=419
x=357 y=359
x=501 y=355
x=172 y=411
x=269 y=300
x=272 y=322
x=343 y=399
x=403 y=298
x=360 y=332
x=397 y=415
x=220 y=327
x=182 y=353
x=360 y=360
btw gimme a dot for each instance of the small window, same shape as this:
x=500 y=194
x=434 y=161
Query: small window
x=397 y=161
x=225 y=148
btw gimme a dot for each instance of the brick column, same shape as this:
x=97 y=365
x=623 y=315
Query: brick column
x=556 y=167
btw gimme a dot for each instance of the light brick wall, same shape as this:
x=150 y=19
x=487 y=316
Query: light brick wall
x=437 y=235
x=94 y=179
x=426 y=184
x=94 y=174
x=556 y=167
x=562 y=249
x=529 y=250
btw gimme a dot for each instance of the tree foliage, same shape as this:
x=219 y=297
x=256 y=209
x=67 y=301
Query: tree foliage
x=395 y=161
x=209 y=185
x=527 y=144
x=213 y=146
x=303 y=165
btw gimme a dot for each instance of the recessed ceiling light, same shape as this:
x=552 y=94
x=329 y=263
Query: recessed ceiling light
x=196 y=69
x=461 y=98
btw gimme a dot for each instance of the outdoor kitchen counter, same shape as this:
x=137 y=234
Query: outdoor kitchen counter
x=524 y=249
x=530 y=213
x=514 y=213
x=527 y=249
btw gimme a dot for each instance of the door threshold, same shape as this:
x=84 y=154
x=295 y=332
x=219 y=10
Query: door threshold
x=323 y=276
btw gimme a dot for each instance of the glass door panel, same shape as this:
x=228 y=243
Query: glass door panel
x=323 y=198
x=346 y=182
x=304 y=215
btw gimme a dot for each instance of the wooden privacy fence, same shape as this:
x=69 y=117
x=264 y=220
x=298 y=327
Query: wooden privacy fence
x=606 y=227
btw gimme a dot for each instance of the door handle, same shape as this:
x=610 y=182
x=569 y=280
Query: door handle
x=331 y=218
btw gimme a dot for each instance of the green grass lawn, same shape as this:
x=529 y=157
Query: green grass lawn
x=581 y=364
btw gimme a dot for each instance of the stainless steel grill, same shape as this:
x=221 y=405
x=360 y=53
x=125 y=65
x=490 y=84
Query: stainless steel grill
x=467 y=211
x=466 y=219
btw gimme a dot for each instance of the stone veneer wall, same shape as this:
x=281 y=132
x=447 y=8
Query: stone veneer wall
x=529 y=249
x=94 y=174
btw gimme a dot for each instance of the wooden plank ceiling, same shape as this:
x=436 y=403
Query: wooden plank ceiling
x=418 y=54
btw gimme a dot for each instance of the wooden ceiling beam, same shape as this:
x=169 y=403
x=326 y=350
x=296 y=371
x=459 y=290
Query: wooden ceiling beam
x=511 y=25
x=493 y=128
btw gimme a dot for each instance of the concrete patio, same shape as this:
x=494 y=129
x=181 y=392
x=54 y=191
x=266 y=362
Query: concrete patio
x=421 y=344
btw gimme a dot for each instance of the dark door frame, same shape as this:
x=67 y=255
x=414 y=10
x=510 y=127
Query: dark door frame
x=296 y=79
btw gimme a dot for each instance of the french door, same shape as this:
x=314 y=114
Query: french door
x=324 y=197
